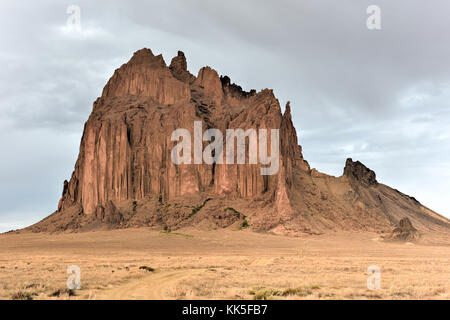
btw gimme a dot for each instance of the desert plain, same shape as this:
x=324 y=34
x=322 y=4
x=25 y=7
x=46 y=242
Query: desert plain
x=222 y=264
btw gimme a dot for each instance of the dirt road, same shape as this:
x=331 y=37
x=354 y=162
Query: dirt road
x=155 y=286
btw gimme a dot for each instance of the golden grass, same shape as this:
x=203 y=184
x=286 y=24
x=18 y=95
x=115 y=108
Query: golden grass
x=219 y=265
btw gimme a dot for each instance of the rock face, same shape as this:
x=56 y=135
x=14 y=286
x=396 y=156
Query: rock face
x=359 y=173
x=179 y=70
x=126 y=145
x=124 y=175
x=146 y=75
x=109 y=214
x=405 y=231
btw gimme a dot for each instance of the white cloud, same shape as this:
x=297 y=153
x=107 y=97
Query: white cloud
x=4 y=227
x=88 y=31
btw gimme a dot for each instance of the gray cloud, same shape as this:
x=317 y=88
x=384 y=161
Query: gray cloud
x=378 y=96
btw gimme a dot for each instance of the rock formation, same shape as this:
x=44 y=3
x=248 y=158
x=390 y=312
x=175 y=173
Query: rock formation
x=359 y=173
x=125 y=176
x=405 y=231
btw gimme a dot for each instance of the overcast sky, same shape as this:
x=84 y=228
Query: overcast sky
x=378 y=96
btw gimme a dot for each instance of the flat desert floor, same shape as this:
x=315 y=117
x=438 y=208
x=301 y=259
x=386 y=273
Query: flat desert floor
x=192 y=264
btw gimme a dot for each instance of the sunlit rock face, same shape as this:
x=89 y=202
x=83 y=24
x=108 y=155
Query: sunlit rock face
x=125 y=175
x=125 y=151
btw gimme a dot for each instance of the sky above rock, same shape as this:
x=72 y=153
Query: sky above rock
x=378 y=96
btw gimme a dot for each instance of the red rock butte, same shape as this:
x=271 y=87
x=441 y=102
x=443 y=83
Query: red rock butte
x=125 y=177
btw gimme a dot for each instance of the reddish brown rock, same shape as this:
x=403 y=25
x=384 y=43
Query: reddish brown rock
x=146 y=75
x=109 y=214
x=356 y=171
x=405 y=231
x=178 y=67
x=124 y=175
x=209 y=81
x=125 y=149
